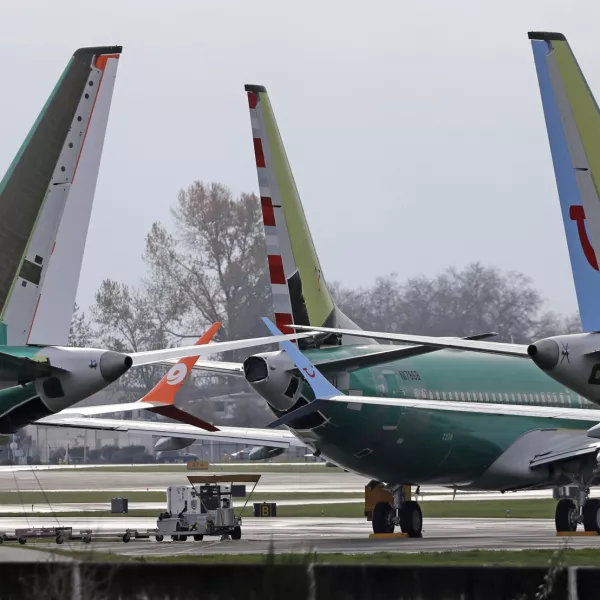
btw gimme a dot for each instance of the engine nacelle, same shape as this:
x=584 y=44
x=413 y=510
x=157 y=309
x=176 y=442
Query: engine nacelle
x=573 y=360
x=87 y=371
x=172 y=443
x=264 y=452
x=269 y=374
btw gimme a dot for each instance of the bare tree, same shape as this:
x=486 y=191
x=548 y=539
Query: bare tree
x=81 y=333
x=213 y=267
x=476 y=299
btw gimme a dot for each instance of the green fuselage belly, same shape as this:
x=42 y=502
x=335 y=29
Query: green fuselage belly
x=441 y=447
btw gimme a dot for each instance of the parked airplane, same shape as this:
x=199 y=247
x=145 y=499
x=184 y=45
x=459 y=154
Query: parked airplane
x=46 y=200
x=421 y=414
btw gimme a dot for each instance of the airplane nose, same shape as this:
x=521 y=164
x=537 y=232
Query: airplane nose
x=113 y=365
x=544 y=354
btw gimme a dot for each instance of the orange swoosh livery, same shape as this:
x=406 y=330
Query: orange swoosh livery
x=166 y=389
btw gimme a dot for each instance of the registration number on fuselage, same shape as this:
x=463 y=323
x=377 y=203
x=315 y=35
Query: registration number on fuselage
x=410 y=375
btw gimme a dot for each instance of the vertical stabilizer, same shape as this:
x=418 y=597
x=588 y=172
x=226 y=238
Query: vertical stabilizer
x=300 y=293
x=573 y=124
x=46 y=201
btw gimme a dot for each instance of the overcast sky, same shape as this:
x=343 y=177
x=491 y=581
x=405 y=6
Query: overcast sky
x=415 y=129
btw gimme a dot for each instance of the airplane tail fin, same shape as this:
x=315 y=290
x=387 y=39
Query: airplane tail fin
x=166 y=389
x=573 y=124
x=46 y=200
x=300 y=292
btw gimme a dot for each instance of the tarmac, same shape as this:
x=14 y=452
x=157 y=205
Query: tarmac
x=321 y=534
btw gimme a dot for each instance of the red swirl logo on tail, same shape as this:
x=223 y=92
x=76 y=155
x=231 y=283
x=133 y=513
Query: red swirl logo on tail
x=577 y=214
x=311 y=375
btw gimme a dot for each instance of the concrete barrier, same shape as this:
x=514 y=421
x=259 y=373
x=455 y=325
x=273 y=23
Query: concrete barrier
x=183 y=581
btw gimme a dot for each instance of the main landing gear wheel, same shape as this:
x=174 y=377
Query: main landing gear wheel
x=411 y=519
x=236 y=533
x=566 y=515
x=591 y=515
x=383 y=518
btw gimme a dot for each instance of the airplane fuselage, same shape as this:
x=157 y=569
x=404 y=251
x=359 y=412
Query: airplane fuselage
x=404 y=445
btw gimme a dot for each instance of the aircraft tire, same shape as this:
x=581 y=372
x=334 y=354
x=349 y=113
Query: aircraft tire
x=591 y=515
x=563 y=517
x=411 y=519
x=382 y=518
x=236 y=533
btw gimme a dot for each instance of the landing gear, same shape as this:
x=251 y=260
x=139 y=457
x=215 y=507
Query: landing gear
x=411 y=519
x=591 y=515
x=383 y=518
x=402 y=511
x=566 y=516
x=577 y=507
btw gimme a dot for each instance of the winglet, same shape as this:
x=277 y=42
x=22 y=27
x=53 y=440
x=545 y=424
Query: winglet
x=166 y=389
x=317 y=381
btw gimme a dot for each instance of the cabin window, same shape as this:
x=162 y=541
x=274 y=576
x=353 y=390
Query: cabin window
x=506 y=399
x=569 y=401
x=512 y=398
x=468 y=396
x=443 y=395
x=537 y=399
x=555 y=398
x=456 y=396
x=462 y=396
x=431 y=395
x=437 y=395
x=480 y=397
x=487 y=398
x=519 y=398
x=562 y=399
x=493 y=397
x=530 y=398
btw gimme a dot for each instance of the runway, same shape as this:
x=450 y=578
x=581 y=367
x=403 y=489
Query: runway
x=325 y=535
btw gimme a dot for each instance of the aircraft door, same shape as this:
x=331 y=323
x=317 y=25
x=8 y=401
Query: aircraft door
x=393 y=385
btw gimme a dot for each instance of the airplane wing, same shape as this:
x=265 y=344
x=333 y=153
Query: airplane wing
x=515 y=350
x=381 y=355
x=158 y=356
x=160 y=400
x=235 y=435
x=212 y=366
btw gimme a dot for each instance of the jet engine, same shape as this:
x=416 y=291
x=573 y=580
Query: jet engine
x=172 y=443
x=264 y=452
x=573 y=360
x=269 y=373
